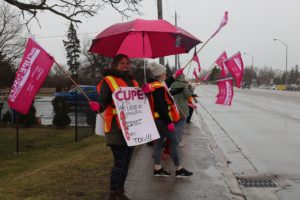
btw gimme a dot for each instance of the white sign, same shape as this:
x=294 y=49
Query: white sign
x=135 y=116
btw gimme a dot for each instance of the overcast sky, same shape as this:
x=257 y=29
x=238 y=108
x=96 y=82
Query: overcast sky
x=251 y=27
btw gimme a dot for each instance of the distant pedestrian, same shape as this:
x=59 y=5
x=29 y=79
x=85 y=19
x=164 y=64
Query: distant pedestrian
x=192 y=107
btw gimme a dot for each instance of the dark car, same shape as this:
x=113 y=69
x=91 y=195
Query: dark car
x=71 y=97
x=246 y=85
x=292 y=87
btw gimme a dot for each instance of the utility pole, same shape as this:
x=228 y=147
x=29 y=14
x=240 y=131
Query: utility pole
x=176 y=56
x=160 y=16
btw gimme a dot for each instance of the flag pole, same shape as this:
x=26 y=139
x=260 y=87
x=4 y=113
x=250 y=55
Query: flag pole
x=223 y=23
x=68 y=76
x=81 y=90
x=197 y=52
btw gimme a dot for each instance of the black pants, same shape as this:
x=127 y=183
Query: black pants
x=191 y=110
x=122 y=156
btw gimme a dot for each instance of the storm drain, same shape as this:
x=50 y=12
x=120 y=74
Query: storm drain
x=254 y=182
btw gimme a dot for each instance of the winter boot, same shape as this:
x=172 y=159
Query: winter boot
x=118 y=195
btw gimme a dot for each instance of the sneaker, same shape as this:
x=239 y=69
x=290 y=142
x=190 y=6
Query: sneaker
x=183 y=173
x=161 y=172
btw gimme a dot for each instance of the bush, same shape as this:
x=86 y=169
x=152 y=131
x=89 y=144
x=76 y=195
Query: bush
x=29 y=119
x=61 y=109
x=6 y=117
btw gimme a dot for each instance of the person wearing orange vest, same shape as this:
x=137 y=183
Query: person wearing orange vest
x=117 y=76
x=165 y=114
x=192 y=107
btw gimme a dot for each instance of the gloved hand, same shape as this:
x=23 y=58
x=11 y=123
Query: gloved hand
x=178 y=72
x=94 y=106
x=192 y=105
x=171 y=127
x=146 y=88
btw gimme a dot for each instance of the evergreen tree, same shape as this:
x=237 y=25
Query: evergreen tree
x=297 y=74
x=72 y=45
x=291 y=77
x=169 y=70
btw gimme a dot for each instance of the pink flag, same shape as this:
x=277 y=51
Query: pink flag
x=220 y=63
x=235 y=65
x=196 y=59
x=223 y=23
x=32 y=72
x=196 y=76
x=225 y=92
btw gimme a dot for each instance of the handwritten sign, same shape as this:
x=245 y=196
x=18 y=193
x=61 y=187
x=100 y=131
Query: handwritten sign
x=135 y=116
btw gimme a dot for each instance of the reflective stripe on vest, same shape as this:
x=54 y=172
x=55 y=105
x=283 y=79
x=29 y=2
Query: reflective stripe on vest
x=173 y=112
x=114 y=83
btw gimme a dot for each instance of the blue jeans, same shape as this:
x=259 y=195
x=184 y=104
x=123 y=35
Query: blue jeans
x=158 y=144
x=179 y=126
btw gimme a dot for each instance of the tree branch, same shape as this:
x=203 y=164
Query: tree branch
x=71 y=9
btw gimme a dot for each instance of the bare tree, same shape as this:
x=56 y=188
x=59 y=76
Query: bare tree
x=71 y=9
x=11 y=44
x=265 y=75
x=11 y=31
x=93 y=64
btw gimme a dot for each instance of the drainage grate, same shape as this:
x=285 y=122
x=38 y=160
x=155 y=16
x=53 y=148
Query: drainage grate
x=257 y=182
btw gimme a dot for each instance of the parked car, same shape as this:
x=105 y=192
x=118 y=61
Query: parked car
x=273 y=87
x=71 y=97
x=246 y=85
x=293 y=87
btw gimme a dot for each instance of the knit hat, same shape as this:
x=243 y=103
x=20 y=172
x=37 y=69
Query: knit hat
x=157 y=69
x=181 y=78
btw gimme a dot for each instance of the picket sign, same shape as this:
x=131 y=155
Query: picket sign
x=99 y=127
x=135 y=116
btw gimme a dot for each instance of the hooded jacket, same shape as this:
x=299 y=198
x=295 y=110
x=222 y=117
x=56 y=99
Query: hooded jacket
x=181 y=92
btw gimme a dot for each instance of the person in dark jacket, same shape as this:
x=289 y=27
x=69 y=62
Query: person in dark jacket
x=165 y=114
x=116 y=76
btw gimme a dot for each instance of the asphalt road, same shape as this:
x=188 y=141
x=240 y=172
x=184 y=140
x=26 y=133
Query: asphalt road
x=264 y=127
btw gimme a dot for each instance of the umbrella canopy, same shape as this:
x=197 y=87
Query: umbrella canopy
x=143 y=39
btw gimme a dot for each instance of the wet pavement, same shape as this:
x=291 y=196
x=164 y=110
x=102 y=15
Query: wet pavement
x=211 y=180
x=259 y=136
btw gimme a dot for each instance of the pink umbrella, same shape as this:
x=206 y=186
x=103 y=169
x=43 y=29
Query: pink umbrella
x=143 y=39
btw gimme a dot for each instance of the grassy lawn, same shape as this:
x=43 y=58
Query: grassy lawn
x=52 y=166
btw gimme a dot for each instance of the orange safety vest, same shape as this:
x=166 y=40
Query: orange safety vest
x=190 y=100
x=114 y=83
x=173 y=112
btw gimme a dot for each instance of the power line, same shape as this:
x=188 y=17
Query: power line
x=60 y=36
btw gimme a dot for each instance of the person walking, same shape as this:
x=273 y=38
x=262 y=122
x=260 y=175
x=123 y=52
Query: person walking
x=116 y=76
x=165 y=114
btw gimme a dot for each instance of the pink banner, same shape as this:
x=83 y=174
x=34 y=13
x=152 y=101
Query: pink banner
x=196 y=59
x=225 y=92
x=222 y=24
x=220 y=63
x=32 y=72
x=196 y=76
x=235 y=65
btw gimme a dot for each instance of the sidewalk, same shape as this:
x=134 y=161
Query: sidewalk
x=212 y=180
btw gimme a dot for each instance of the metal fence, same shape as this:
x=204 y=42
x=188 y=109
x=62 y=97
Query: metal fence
x=80 y=114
